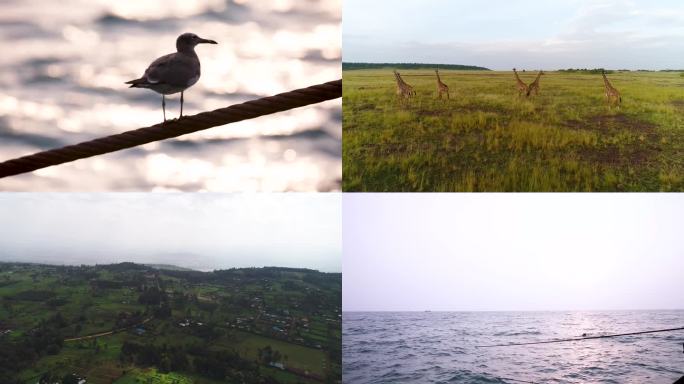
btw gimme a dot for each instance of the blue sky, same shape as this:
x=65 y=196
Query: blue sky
x=471 y=252
x=529 y=34
x=195 y=230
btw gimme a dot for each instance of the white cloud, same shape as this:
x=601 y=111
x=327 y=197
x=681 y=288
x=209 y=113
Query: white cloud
x=612 y=33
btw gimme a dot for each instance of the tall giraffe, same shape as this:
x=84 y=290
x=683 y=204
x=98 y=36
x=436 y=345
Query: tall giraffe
x=404 y=90
x=441 y=87
x=522 y=87
x=534 y=87
x=611 y=93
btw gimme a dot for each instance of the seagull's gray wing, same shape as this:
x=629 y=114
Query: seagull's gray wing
x=173 y=69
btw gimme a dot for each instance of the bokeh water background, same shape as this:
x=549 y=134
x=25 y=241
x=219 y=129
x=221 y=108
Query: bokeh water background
x=63 y=65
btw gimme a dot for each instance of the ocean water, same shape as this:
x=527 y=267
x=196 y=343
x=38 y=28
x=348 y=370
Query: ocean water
x=62 y=72
x=440 y=347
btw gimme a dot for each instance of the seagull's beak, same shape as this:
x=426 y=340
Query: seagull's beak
x=206 y=41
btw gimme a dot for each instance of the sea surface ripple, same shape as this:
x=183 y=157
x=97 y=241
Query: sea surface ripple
x=440 y=347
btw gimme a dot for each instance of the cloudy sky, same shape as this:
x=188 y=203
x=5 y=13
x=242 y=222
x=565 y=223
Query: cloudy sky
x=406 y=252
x=502 y=34
x=201 y=231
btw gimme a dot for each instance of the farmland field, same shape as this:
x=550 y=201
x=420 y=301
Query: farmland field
x=486 y=138
x=130 y=323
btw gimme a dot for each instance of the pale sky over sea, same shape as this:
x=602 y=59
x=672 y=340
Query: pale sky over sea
x=502 y=34
x=199 y=231
x=470 y=252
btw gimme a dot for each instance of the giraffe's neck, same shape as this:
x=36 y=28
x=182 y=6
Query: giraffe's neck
x=517 y=77
x=606 y=82
x=438 y=78
x=538 y=76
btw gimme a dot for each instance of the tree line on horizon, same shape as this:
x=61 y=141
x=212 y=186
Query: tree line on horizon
x=355 y=66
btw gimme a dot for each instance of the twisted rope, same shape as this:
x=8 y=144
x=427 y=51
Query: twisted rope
x=174 y=128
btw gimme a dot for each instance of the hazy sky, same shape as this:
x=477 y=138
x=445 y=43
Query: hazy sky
x=502 y=34
x=202 y=231
x=513 y=251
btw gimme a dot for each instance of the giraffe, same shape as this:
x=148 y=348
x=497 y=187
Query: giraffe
x=611 y=93
x=522 y=87
x=404 y=90
x=441 y=87
x=534 y=87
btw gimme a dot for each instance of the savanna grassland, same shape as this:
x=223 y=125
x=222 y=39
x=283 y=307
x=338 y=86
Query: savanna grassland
x=128 y=323
x=487 y=138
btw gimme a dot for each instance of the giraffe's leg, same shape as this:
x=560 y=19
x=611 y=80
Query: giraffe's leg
x=181 y=115
x=164 y=106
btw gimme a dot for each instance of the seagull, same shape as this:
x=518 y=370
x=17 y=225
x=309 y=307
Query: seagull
x=174 y=72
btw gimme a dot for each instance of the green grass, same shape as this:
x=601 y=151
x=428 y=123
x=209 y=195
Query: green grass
x=486 y=138
x=298 y=356
x=152 y=376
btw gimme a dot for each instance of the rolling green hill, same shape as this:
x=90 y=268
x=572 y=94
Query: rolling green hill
x=130 y=323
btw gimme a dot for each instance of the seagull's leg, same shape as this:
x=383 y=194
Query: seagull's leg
x=181 y=115
x=164 y=106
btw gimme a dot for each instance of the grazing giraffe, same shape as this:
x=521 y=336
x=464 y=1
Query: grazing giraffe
x=611 y=93
x=522 y=87
x=404 y=90
x=534 y=87
x=441 y=87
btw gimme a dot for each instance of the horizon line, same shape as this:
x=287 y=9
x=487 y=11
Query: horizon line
x=190 y=269
x=500 y=70
x=511 y=310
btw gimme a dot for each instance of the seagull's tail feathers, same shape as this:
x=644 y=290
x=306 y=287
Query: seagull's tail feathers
x=138 y=83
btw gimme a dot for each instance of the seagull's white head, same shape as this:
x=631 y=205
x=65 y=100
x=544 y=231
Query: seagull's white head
x=188 y=41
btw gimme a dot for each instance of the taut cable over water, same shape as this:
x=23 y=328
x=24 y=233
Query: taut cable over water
x=581 y=338
x=174 y=128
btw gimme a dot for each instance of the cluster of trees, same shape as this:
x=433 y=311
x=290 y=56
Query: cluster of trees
x=34 y=295
x=353 y=66
x=20 y=354
x=164 y=358
x=267 y=355
x=152 y=296
x=125 y=319
x=595 y=71
x=49 y=378
x=227 y=366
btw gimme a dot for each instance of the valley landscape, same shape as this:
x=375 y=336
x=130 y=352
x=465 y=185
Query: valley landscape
x=131 y=323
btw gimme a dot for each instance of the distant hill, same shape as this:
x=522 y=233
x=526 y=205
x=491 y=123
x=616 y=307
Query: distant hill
x=354 y=66
x=168 y=267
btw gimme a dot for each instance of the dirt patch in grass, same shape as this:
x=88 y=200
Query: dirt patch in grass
x=371 y=87
x=385 y=149
x=614 y=156
x=483 y=108
x=432 y=112
x=613 y=122
x=635 y=154
x=679 y=104
x=365 y=107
